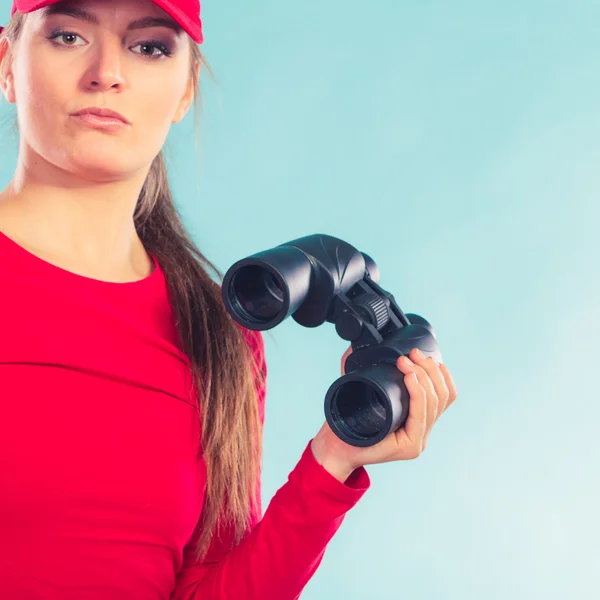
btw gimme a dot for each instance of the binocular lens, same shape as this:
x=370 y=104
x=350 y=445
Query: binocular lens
x=257 y=293
x=358 y=408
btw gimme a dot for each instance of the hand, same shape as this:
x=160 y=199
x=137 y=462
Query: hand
x=431 y=393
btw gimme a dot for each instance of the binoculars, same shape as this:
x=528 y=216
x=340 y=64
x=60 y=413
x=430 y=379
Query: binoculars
x=321 y=278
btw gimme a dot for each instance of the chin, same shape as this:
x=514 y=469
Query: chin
x=106 y=163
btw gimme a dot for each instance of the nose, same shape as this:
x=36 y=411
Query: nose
x=105 y=69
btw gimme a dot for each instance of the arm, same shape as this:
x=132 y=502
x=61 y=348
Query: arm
x=278 y=557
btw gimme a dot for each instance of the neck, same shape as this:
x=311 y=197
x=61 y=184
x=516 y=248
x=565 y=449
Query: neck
x=88 y=222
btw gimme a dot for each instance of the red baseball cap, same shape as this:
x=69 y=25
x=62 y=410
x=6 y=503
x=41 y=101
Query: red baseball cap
x=185 y=12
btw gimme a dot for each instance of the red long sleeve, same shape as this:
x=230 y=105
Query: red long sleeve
x=101 y=478
x=285 y=548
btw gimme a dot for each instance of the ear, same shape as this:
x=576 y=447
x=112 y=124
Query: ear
x=188 y=97
x=7 y=83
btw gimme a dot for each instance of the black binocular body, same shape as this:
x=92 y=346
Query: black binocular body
x=321 y=278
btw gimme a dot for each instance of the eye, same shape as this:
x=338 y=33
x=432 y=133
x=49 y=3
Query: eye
x=64 y=35
x=148 y=47
x=152 y=45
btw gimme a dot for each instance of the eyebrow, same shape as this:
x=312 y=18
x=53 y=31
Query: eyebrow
x=83 y=15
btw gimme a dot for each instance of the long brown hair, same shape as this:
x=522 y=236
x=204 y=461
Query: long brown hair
x=225 y=375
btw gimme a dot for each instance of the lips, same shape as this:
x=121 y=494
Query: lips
x=102 y=112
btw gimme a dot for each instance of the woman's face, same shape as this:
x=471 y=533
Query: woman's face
x=63 y=64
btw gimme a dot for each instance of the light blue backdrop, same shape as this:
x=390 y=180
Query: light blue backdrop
x=458 y=144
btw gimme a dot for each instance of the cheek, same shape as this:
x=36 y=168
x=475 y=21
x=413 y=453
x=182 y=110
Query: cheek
x=44 y=97
x=152 y=106
x=156 y=99
x=44 y=105
x=39 y=95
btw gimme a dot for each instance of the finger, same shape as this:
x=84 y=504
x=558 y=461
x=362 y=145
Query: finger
x=432 y=402
x=414 y=429
x=452 y=393
x=346 y=355
x=427 y=384
x=432 y=369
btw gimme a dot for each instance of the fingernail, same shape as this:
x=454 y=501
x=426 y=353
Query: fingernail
x=419 y=353
x=409 y=362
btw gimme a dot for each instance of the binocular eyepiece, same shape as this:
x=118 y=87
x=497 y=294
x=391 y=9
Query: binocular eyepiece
x=320 y=278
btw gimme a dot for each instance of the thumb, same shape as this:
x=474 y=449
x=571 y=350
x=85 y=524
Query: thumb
x=346 y=355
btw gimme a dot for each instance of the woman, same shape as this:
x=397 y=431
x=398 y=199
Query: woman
x=131 y=405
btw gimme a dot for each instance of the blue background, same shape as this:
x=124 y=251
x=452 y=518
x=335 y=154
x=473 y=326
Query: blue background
x=458 y=145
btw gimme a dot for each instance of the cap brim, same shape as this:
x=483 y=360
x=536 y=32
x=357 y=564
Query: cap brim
x=194 y=30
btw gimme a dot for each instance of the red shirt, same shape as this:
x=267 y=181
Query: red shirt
x=101 y=484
